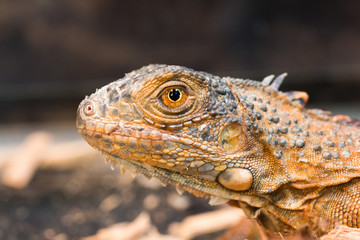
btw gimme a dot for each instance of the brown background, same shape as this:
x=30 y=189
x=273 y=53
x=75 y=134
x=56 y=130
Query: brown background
x=55 y=52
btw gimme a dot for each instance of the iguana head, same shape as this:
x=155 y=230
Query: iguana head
x=175 y=124
x=223 y=138
x=212 y=136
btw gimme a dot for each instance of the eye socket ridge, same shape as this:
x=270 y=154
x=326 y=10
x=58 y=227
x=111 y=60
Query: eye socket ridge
x=173 y=85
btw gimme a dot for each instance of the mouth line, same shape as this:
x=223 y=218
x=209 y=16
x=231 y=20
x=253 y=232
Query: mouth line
x=122 y=130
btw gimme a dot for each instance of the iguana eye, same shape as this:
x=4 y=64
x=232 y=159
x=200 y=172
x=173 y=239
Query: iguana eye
x=171 y=100
x=174 y=97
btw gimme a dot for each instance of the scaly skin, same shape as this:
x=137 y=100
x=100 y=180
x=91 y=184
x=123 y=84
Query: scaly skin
x=232 y=140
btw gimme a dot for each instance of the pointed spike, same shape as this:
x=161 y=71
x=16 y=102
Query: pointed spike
x=148 y=167
x=278 y=80
x=122 y=169
x=215 y=200
x=267 y=80
x=179 y=189
x=134 y=174
x=106 y=161
x=164 y=184
x=298 y=96
x=112 y=165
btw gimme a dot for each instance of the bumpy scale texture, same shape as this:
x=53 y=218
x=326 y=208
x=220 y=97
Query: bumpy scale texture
x=233 y=140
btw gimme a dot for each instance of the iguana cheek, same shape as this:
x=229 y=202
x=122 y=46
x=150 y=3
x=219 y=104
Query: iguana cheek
x=237 y=179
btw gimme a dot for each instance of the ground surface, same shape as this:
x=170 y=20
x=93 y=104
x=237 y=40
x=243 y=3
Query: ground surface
x=77 y=203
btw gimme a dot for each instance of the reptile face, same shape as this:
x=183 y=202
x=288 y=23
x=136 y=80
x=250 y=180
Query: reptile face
x=165 y=120
x=227 y=139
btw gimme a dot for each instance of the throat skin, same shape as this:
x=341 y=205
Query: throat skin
x=231 y=140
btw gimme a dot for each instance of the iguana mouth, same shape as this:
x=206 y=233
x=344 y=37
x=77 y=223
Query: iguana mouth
x=119 y=131
x=191 y=183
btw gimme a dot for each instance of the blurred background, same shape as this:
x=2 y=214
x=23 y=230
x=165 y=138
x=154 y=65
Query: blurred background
x=53 y=53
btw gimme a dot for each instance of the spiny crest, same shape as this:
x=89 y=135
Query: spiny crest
x=274 y=83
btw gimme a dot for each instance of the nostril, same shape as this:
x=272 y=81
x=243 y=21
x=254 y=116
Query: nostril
x=89 y=109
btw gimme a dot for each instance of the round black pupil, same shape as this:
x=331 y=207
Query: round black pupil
x=174 y=94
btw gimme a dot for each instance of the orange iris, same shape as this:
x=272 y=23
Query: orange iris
x=174 y=97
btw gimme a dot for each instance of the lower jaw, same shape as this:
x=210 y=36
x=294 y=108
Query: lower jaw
x=192 y=184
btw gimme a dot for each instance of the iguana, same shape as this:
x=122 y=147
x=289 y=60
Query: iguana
x=231 y=140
